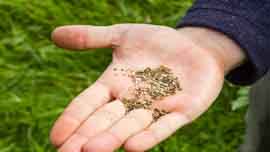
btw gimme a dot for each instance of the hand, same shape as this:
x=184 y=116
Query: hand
x=95 y=121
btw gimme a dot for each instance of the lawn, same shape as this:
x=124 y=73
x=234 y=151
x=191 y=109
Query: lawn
x=38 y=80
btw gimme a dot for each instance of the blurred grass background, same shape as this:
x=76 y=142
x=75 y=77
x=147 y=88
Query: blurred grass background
x=38 y=80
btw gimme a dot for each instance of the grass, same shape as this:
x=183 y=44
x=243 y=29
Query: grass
x=38 y=80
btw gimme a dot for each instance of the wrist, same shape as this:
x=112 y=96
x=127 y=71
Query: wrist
x=221 y=47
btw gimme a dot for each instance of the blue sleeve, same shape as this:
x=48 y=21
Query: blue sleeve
x=247 y=22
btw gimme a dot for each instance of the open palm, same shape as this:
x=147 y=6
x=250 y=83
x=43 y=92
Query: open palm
x=96 y=121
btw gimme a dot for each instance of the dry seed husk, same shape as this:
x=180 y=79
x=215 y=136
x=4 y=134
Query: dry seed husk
x=151 y=84
x=157 y=113
x=158 y=82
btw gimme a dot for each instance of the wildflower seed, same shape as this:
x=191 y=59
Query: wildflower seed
x=150 y=84
x=157 y=113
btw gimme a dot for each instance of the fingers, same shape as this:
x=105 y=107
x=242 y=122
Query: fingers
x=79 y=109
x=158 y=131
x=85 y=37
x=98 y=122
x=113 y=138
x=185 y=108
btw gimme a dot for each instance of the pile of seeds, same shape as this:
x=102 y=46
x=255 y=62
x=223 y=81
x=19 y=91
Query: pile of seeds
x=150 y=85
x=155 y=83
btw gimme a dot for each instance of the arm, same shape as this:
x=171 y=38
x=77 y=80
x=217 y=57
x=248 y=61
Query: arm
x=246 y=22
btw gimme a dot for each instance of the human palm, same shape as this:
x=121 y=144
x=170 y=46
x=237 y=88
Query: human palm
x=96 y=120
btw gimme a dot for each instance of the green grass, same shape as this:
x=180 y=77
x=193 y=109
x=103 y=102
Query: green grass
x=38 y=80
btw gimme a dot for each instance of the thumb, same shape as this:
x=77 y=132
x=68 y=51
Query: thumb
x=87 y=36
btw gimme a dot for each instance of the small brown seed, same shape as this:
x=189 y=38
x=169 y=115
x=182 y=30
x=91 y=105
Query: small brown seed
x=150 y=84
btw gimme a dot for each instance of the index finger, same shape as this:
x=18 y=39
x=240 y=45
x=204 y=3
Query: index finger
x=157 y=132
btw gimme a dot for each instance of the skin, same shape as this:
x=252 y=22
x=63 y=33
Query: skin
x=95 y=120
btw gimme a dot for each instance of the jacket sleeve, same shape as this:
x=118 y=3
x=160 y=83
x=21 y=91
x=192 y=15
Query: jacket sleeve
x=247 y=22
